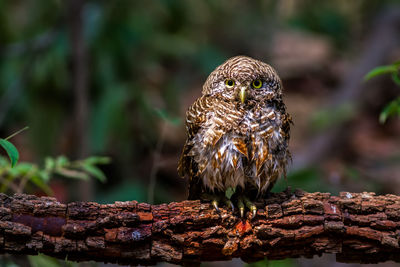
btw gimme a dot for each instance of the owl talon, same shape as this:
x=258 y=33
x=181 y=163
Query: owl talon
x=215 y=204
x=241 y=212
x=229 y=203
x=253 y=210
x=214 y=200
x=241 y=207
x=250 y=206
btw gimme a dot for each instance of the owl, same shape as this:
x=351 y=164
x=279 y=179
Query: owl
x=237 y=135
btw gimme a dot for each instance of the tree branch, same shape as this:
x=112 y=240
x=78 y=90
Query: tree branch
x=357 y=227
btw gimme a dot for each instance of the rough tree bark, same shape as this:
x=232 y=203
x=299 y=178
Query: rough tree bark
x=357 y=227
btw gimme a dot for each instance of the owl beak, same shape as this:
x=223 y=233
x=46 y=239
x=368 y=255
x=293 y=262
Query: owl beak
x=242 y=94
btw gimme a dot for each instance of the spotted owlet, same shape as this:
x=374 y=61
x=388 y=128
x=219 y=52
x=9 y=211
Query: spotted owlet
x=237 y=134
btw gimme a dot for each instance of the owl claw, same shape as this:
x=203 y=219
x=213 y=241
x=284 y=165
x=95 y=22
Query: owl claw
x=228 y=202
x=241 y=207
x=214 y=200
x=251 y=207
x=241 y=212
x=253 y=210
x=245 y=202
x=215 y=204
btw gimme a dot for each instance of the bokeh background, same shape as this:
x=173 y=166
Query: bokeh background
x=114 y=78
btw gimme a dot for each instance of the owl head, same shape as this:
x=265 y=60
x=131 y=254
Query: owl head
x=244 y=80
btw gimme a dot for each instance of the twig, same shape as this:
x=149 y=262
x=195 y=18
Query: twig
x=17 y=132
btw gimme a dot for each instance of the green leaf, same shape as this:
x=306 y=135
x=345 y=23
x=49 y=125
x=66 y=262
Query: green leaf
x=95 y=172
x=24 y=168
x=380 y=70
x=11 y=151
x=44 y=175
x=391 y=109
x=61 y=161
x=49 y=164
x=229 y=192
x=396 y=78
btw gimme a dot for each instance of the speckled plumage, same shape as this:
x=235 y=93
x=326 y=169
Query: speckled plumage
x=234 y=143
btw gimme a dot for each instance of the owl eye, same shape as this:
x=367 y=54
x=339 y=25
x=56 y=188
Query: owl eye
x=229 y=83
x=257 y=84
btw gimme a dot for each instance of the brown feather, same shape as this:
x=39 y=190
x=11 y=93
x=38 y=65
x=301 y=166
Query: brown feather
x=235 y=144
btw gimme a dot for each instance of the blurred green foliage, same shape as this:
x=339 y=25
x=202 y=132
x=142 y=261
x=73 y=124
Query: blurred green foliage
x=42 y=260
x=393 y=108
x=323 y=18
x=28 y=177
x=275 y=263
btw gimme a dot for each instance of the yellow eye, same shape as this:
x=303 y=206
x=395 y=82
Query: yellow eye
x=256 y=84
x=229 y=83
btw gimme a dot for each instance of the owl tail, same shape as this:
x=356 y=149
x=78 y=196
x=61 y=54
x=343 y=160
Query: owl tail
x=195 y=188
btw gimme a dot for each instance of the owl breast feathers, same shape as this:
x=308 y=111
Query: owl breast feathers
x=237 y=131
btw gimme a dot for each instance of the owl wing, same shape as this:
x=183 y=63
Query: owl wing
x=286 y=122
x=196 y=116
x=268 y=151
x=285 y=132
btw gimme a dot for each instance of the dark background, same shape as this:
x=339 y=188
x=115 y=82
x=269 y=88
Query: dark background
x=114 y=78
